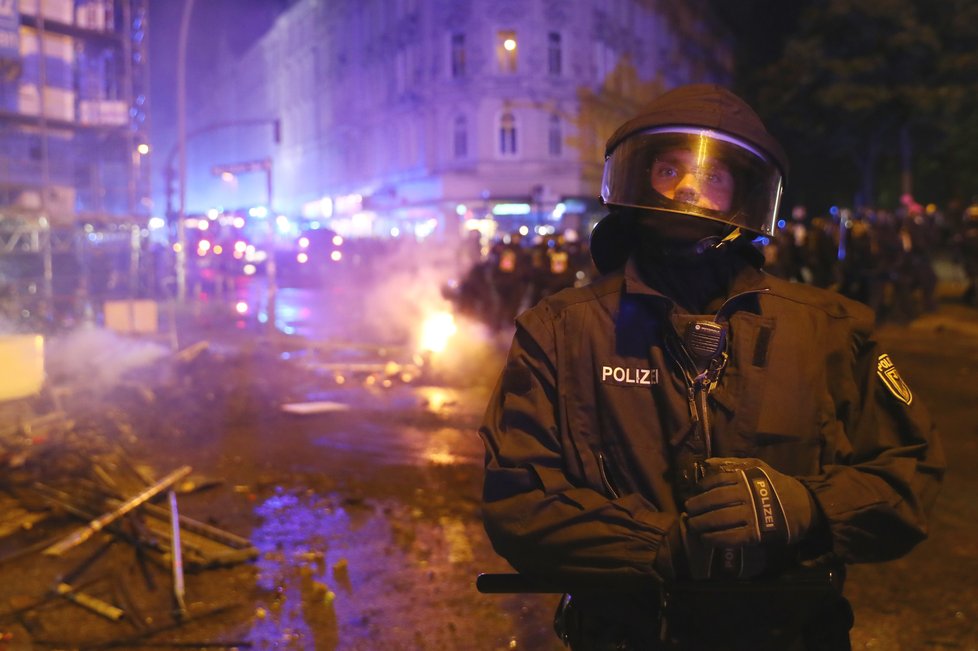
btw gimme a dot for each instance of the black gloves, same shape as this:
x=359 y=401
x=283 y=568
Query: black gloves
x=745 y=502
x=744 y=508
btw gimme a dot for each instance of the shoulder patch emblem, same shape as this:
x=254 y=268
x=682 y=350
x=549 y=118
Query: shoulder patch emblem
x=892 y=380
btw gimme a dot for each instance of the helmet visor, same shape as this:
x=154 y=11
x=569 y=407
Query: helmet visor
x=696 y=172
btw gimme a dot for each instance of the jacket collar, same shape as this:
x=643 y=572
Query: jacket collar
x=748 y=281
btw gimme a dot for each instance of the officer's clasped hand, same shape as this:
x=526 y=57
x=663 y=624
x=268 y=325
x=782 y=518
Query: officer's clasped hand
x=746 y=502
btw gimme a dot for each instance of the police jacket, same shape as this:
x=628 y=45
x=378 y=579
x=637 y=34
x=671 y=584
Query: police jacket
x=582 y=426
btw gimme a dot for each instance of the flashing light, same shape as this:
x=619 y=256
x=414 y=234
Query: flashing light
x=326 y=207
x=511 y=209
x=254 y=255
x=347 y=203
x=203 y=245
x=395 y=231
x=460 y=209
x=156 y=223
x=303 y=242
x=509 y=44
x=336 y=256
x=782 y=223
x=249 y=269
x=524 y=230
x=258 y=212
x=282 y=223
x=337 y=240
x=213 y=213
x=425 y=228
x=241 y=307
x=143 y=148
x=302 y=258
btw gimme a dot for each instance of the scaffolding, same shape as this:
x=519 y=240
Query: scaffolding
x=74 y=169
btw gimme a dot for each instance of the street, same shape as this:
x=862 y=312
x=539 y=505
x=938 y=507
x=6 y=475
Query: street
x=354 y=469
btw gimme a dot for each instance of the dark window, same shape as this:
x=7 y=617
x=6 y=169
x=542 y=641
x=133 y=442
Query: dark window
x=461 y=137
x=555 y=63
x=507 y=134
x=555 y=136
x=458 y=55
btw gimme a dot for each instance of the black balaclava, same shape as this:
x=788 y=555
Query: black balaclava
x=696 y=274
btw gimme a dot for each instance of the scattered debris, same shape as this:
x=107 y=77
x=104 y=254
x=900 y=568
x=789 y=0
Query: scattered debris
x=66 y=457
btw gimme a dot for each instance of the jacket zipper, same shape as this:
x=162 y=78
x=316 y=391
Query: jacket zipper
x=605 y=475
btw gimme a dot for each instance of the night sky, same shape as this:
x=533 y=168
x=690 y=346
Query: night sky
x=217 y=25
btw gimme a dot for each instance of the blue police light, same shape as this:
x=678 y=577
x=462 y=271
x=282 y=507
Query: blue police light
x=782 y=223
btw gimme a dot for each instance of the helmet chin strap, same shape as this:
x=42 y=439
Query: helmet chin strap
x=707 y=244
x=717 y=242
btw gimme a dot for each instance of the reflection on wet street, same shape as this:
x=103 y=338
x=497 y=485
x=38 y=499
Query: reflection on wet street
x=340 y=573
x=296 y=568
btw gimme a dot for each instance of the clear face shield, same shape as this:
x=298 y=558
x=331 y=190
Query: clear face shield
x=696 y=172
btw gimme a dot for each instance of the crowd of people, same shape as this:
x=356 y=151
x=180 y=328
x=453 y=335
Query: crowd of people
x=884 y=258
x=881 y=257
x=516 y=273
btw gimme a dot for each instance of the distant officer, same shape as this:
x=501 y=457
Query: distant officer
x=509 y=273
x=969 y=251
x=694 y=447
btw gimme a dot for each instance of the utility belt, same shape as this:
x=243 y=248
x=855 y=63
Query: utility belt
x=639 y=614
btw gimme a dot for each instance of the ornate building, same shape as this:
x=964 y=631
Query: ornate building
x=422 y=114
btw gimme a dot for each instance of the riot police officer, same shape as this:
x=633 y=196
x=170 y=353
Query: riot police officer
x=693 y=447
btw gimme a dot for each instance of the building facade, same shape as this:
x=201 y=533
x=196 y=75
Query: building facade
x=421 y=115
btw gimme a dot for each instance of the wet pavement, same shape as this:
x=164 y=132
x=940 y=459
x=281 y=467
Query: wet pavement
x=353 y=467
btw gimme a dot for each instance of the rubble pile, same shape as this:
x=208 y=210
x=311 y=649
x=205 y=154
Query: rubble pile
x=93 y=545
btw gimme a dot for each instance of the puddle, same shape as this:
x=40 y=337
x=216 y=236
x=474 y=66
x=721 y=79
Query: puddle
x=314 y=557
x=336 y=574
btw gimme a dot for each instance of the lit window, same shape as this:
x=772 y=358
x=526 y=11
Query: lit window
x=506 y=50
x=458 y=55
x=555 y=136
x=554 y=54
x=461 y=137
x=507 y=134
